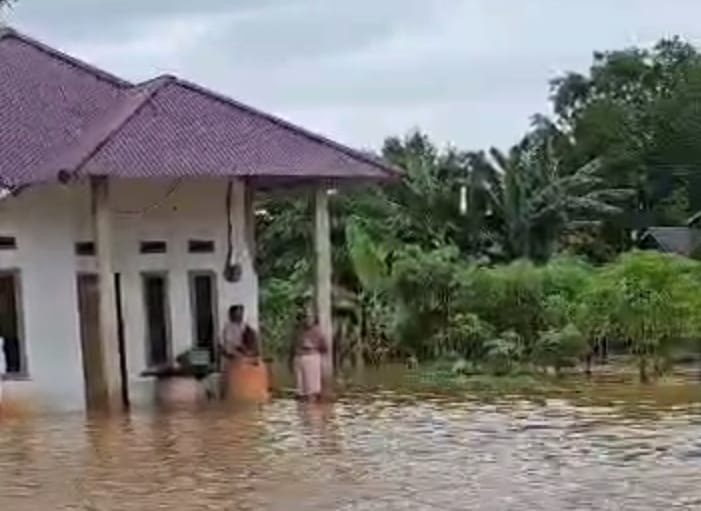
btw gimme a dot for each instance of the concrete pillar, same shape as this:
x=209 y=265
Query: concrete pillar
x=250 y=221
x=249 y=227
x=110 y=380
x=322 y=281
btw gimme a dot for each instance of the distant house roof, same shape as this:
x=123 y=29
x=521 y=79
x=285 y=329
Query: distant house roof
x=60 y=117
x=678 y=240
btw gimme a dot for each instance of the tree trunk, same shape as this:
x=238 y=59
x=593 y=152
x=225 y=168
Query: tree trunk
x=604 y=351
x=360 y=341
x=644 y=378
x=658 y=366
x=587 y=362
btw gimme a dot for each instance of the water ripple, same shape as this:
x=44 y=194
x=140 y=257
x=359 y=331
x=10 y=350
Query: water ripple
x=358 y=454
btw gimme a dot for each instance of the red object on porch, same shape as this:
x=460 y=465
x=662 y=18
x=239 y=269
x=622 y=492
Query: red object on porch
x=247 y=381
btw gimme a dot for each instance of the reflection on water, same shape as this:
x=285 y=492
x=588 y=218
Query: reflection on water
x=375 y=451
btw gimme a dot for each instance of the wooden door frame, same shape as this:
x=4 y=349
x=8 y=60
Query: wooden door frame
x=16 y=274
x=191 y=276
x=165 y=274
x=124 y=375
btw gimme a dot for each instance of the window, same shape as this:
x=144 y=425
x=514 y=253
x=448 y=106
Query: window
x=11 y=323
x=203 y=301
x=157 y=318
x=8 y=243
x=85 y=248
x=200 y=246
x=153 y=247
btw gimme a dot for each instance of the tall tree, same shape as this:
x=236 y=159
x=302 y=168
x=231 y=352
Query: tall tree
x=639 y=110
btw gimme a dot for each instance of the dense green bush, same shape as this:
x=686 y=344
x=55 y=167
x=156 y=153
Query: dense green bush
x=553 y=316
x=648 y=301
x=426 y=288
x=503 y=353
x=433 y=305
x=509 y=297
x=559 y=348
x=281 y=300
x=464 y=335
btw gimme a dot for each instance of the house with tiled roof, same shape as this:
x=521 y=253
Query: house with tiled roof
x=127 y=220
x=680 y=240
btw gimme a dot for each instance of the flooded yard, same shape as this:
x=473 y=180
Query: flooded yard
x=381 y=450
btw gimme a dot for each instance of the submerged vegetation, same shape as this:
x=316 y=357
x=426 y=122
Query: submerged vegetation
x=524 y=261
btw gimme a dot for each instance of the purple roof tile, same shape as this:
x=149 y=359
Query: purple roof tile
x=61 y=115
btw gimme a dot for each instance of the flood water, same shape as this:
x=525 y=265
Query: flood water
x=381 y=450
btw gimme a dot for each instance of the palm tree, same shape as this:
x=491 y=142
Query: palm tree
x=535 y=196
x=443 y=198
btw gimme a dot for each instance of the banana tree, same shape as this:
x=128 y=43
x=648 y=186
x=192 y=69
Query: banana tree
x=369 y=262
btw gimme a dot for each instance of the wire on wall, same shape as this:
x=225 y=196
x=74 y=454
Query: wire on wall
x=155 y=205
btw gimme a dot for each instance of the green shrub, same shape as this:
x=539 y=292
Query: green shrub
x=646 y=299
x=281 y=300
x=503 y=353
x=559 y=348
x=511 y=298
x=566 y=276
x=463 y=336
x=434 y=305
x=425 y=285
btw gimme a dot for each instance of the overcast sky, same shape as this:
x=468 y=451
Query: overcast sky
x=469 y=72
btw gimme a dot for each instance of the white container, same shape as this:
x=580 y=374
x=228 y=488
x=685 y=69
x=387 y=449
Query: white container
x=179 y=391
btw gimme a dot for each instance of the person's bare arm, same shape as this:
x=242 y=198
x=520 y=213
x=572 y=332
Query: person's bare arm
x=251 y=346
x=224 y=345
x=321 y=341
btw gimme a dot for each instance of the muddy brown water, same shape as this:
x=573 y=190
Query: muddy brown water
x=620 y=448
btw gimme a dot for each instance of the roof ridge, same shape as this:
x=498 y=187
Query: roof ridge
x=316 y=137
x=121 y=114
x=7 y=31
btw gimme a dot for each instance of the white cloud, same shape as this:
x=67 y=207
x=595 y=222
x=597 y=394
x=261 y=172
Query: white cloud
x=153 y=48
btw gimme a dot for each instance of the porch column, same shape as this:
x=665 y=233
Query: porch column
x=250 y=221
x=252 y=303
x=322 y=281
x=110 y=380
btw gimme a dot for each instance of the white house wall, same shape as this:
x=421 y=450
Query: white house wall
x=41 y=223
x=48 y=221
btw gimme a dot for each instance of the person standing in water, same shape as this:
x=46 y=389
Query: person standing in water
x=308 y=349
